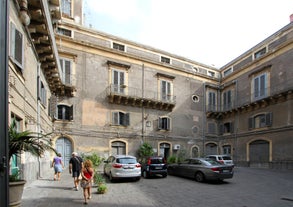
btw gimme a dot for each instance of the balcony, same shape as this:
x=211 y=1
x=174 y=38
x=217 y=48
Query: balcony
x=247 y=100
x=128 y=96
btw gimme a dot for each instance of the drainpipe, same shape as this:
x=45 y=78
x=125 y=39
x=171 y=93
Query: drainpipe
x=236 y=125
x=142 y=109
x=204 y=119
x=38 y=115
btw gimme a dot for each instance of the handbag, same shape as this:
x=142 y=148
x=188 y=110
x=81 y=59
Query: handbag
x=79 y=177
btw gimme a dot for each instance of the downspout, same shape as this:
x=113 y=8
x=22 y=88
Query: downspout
x=142 y=109
x=204 y=119
x=39 y=115
x=235 y=148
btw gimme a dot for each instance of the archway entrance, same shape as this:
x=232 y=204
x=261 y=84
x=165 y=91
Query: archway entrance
x=64 y=146
x=211 y=149
x=165 y=150
x=259 y=153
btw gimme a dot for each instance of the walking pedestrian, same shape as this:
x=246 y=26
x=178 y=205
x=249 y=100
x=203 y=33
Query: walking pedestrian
x=87 y=174
x=58 y=166
x=75 y=166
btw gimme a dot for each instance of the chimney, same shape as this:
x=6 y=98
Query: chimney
x=291 y=18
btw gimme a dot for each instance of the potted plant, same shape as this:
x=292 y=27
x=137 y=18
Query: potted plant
x=18 y=142
x=100 y=182
x=102 y=189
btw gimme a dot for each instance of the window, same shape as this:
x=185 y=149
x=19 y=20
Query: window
x=211 y=128
x=166 y=94
x=65 y=32
x=227 y=72
x=164 y=123
x=195 y=98
x=42 y=92
x=65 y=112
x=118 y=81
x=16 y=46
x=165 y=60
x=212 y=101
x=66 y=8
x=227 y=149
x=66 y=71
x=120 y=118
x=260 y=53
x=260 y=86
x=210 y=73
x=227 y=100
x=118 y=46
x=260 y=121
x=227 y=128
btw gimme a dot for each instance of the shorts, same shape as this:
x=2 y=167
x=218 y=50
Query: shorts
x=75 y=174
x=58 y=168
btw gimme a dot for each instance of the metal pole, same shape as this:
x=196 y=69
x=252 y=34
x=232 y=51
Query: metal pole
x=4 y=162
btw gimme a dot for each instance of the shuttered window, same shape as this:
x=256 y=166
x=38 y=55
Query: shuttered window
x=120 y=118
x=16 y=46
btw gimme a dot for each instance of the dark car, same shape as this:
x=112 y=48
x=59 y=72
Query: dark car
x=154 y=166
x=201 y=169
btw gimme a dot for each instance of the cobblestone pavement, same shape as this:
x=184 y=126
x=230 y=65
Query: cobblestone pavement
x=248 y=188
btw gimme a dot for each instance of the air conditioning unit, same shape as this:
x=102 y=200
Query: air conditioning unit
x=176 y=147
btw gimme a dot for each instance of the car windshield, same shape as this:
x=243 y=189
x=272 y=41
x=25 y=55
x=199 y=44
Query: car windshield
x=157 y=161
x=126 y=160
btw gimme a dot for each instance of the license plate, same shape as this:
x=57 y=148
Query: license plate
x=158 y=168
x=226 y=171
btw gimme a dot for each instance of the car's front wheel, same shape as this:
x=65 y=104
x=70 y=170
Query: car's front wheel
x=199 y=177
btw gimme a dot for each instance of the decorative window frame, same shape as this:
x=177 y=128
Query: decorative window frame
x=166 y=93
x=261 y=120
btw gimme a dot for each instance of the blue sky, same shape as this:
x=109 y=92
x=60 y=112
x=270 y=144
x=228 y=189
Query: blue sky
x=212 y=32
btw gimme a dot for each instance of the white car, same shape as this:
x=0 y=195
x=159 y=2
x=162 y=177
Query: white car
x=122 y=166
x=224 y=159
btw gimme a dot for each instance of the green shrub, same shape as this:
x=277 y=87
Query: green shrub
x=99 y=179
x=172 y=159
x=94 y=157
x=102 y=189
x=145 y=150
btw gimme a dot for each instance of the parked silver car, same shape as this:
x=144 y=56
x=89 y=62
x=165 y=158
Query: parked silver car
x=122 y=166
x=201 y=169
x=224 y=159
